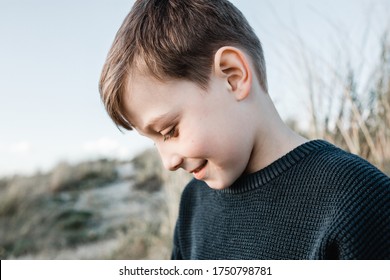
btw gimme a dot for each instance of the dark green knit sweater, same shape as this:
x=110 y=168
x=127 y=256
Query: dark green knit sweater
x=316 y=202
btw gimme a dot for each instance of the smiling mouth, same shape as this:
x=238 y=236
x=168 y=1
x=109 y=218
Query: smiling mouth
x=199 y=172
x=199 y=168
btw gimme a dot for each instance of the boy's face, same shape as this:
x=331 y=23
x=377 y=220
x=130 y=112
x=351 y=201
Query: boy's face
x=202 y=131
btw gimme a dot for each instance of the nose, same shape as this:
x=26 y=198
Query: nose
x=170 y=158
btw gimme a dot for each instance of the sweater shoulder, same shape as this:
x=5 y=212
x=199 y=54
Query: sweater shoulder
x=360 y=228
x=342 y=168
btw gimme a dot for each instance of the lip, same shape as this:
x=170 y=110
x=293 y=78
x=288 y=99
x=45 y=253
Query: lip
x=200 y=172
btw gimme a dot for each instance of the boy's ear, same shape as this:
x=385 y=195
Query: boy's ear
x=231 y=64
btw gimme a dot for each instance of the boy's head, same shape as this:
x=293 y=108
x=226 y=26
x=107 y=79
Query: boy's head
x=188 y=74
x=174 y=39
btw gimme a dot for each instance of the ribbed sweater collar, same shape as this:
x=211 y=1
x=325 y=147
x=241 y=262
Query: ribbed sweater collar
x=257 y=179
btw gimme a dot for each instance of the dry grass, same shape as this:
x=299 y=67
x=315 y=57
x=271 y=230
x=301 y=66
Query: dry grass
x=86 y=174
x=59 y=216
x=33 y=218
x=348 y=108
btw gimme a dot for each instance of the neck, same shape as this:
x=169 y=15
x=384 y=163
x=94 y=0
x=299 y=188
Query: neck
x=273 y=140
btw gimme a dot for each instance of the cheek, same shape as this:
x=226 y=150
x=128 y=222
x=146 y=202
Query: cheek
x=196 y=145
x=224 y=153
x=195 y=137
x=226 y=143
x=232 y=153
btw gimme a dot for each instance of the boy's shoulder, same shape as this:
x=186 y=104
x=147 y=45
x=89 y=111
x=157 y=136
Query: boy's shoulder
x=330 y=160
x=331 y=168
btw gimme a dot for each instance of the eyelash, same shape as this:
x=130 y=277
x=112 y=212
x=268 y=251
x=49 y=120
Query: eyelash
x=170 y=134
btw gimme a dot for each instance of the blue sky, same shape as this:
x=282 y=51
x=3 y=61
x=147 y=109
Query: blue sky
x=52 y=52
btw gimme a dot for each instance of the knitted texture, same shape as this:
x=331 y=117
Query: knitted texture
x=316 y=202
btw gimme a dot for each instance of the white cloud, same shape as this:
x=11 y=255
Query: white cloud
x=17 y=148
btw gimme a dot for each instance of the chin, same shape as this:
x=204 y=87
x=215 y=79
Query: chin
x=217 y=185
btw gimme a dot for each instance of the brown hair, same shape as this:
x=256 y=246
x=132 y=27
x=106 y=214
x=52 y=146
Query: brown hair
x=174 y=39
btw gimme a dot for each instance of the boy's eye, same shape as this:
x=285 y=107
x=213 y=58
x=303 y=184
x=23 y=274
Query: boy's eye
x=169 y=134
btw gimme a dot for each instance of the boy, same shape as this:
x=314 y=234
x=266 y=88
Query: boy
x=190 y=75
